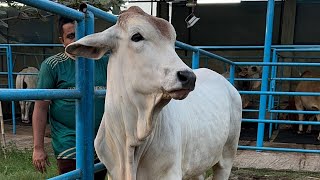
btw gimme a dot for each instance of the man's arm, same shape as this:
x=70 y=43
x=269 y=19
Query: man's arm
x=39 y=122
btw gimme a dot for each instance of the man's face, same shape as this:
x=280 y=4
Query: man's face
x=68 y=34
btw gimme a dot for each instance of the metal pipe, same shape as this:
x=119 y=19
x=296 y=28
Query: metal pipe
x=272 y=88
x=265 y=71
x=80 y=111
x=33 y=45
x=279 y=149
x=85 y=106
x=100 y=93
x=255 y=47
x=296 y=79
x=38 y=94
x=294 y=112
x=53 y=7
x=232 y=73
x=99 y=167
x=275 y=64
x=280 y=93
x=280 y=121
x=75 y=174
x=102 y=14
x=191 y=48
x=195 y=59
x=10 y=85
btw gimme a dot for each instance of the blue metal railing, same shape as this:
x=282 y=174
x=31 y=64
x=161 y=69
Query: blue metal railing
x=10 y=72
x=84 y=94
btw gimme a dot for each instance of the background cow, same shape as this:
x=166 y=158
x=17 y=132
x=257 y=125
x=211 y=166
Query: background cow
x=249 y=72
x=26 y=82
x=308 y=102
x=146 y=133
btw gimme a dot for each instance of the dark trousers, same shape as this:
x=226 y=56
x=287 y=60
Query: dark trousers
x=67 y=165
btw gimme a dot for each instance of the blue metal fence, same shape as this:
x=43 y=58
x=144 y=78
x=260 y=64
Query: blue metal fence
x=85 y=94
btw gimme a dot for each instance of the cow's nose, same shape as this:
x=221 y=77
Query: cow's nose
x=187 y=78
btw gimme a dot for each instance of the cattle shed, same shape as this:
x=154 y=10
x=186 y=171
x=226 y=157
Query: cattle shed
x=279 y=36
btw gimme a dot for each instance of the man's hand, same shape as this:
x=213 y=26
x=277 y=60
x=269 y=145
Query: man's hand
x=40 y=160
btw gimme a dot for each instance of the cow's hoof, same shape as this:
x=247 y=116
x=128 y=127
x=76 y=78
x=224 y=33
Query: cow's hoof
x=25 y=121
x=300 y=132
x=308 y=131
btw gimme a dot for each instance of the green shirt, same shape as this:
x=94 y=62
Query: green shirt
x=58 y=72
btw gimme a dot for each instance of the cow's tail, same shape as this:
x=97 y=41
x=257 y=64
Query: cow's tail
x=19 y=81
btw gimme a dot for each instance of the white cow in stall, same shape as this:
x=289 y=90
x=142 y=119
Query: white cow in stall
x=146 y=132
x=24 y=81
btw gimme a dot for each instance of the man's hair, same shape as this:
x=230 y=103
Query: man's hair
x=63 y=21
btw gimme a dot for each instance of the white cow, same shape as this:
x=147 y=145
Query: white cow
x=24 y=81
x=146 y=133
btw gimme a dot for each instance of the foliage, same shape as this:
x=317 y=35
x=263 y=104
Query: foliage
x=106 y=5
x=27 y=12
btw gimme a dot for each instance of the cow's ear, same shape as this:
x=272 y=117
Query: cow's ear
x=93 y=46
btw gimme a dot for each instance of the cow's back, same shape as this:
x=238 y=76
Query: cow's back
x=309 y=102
x=197 y=129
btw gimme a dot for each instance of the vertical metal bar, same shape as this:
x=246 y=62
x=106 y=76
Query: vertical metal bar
x=80 y=117
x=10 y=86
x=232 y=72
x=85 y=121
x=195 y=59
x=265 y=71
x=272 y=89
x=89 y=174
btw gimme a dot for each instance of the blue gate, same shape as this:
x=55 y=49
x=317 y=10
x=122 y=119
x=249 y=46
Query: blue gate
x=84 y=92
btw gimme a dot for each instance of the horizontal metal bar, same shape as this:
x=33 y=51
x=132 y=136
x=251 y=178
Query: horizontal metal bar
x=100 y=93
x=215 y=56
x=75 y=174
x=280 y=149
x=299 y=50
x=38 y=94
x=276 y=64
x=25 y=73
x=296 y=79
x=102 y=14
x=192 y=48
x=99 y=167
x=280 y=121
x=250 y=110
x=257 y=47
x=53 y=7
x=294 y=112
x=246 y=79
x=280 y=93
x=33 y=45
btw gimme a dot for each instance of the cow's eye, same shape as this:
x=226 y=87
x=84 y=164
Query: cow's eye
x=137 y=37
x=254 y=69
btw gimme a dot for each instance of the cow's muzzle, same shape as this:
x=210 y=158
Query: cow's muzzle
x=187 y=79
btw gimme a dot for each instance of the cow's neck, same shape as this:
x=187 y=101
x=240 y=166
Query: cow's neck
x=131 y=119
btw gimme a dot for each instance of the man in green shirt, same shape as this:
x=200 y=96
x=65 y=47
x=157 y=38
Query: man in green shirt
x=58 y=72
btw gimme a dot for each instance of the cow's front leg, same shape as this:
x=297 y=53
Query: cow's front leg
x=131 y=165
x=26 y=112
x=318 y=119
x=22 y=106
x=300 y=131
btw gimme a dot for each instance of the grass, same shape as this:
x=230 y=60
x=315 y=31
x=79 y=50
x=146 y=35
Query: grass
x=17 y=165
